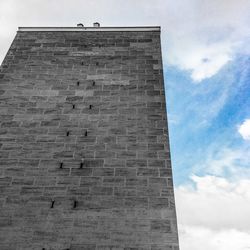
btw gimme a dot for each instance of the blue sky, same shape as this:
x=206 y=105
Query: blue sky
x=205 y=116
x=206 y=48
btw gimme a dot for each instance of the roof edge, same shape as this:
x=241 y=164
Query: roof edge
x=133 y=28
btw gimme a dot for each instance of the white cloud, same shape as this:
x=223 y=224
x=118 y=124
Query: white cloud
x=203 y=60
x=197 y=238
x=214 y=214
x=213 y=211
x=215 y=203
x=244 y=129
x=205 y=37
x=233 y=163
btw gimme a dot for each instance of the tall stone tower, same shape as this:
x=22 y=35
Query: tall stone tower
x=84 y=152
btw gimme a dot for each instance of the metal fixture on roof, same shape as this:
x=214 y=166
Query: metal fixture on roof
x=80 y=25
x=96 y=24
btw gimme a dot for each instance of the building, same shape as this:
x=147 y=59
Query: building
x=85 y=159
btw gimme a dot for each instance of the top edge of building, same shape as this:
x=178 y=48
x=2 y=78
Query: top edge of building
x=98 y=28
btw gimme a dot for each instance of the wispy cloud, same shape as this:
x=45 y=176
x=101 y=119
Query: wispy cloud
x=226 y=161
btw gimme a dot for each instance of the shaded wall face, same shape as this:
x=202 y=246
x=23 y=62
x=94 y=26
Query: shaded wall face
x=85 y=160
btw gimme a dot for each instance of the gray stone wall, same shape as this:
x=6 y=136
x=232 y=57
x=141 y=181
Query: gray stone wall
x=84 y=152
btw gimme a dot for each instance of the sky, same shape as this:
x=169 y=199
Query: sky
x=206 y=48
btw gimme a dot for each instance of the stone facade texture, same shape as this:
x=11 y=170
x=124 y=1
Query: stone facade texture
x=84 y=152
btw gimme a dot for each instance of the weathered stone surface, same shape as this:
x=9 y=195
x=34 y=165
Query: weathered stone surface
x=84 y=151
